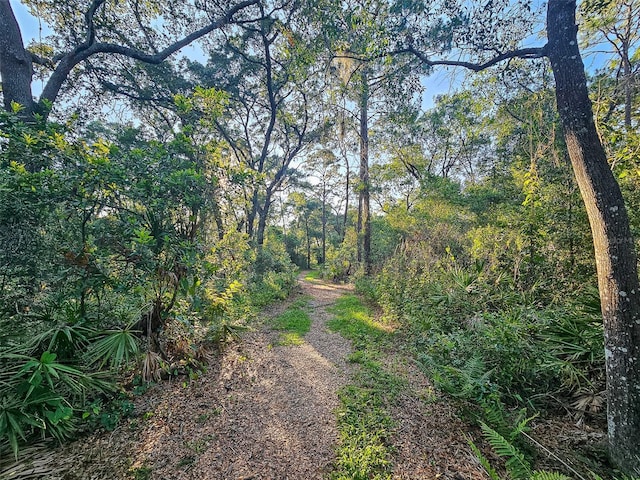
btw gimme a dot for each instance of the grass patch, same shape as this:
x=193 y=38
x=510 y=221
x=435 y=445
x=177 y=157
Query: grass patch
x=313 y=275
x=364 y=423
x=355 y=321
x=294 y=323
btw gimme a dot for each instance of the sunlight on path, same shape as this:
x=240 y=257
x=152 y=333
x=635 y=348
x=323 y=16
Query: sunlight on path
x=276 y=408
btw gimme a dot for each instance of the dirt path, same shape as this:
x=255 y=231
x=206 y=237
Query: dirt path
x=267 y=411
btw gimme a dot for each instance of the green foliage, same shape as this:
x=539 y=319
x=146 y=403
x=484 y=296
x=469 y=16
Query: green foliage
x=312 y=275
x=38 y=396
x=274 y=275
x=224 y=331
x=104 y=237
x=294 y=323
x=114 y=348
x=341 y=261
x=107 y=415
x=355 y=321
x=364 y=429
x=517 y=465
x=364 y=423
x=468 y=277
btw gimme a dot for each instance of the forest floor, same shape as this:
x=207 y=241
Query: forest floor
x=266 y=410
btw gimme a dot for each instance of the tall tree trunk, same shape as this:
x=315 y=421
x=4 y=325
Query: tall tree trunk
x=306 y=230
x=15 y=63
x=253 y=213
x=217 y=216
x=628 y=83
x=364 y=217
x=263 y=214
x=614 y=246
x=324 y=220
x=345 y=217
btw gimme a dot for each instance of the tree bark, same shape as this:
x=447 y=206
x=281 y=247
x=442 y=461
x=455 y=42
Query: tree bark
x=345 y=216
x=263 y=215
x=364 y=217
x=614 y=247
x=324 y=219
x=15 y=63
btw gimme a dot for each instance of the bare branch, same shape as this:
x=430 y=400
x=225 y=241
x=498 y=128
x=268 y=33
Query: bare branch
x=88 y=18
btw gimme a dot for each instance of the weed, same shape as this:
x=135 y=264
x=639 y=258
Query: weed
x=186 y=461
x=354 y=321
x=203 y=417
x=200 y=445
x=313 y=275
x=141 y=473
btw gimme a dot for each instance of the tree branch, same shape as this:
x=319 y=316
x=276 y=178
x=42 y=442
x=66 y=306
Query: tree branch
x=528 y=53
x=89 y=48
x=171 y=49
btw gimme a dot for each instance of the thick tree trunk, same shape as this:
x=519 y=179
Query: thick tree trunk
x=614 y=246
x=16 y=66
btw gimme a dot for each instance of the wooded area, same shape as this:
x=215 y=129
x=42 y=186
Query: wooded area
x=152 y=202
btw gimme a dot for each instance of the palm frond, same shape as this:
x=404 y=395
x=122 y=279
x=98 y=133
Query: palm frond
x=115 y=348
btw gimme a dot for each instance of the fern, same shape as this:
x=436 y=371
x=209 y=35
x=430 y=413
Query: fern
x=483 y=461
x=516 y=464
x=522 y=425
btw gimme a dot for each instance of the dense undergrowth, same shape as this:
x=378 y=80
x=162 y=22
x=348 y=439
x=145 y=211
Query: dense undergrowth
x=114 y=268
x=498 y=351
x=493 y=289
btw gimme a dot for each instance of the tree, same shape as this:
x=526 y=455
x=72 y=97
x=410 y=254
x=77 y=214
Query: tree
x=267 y=70
x=371 y=82
x=613 y=244
x=102 y=27
x=616 y=22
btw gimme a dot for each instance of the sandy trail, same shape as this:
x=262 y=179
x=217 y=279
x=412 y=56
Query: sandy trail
x=267 y=411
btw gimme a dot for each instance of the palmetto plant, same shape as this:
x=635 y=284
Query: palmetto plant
x=35 y=396
x=39 y=394
x=114 y=348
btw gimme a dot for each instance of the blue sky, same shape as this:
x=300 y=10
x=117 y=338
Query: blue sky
x=28 y=24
